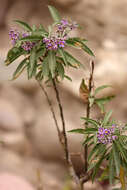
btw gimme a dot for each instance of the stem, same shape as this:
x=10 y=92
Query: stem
x=52 y=110
x=63 y=134
x=88 y=113
x=64 y=141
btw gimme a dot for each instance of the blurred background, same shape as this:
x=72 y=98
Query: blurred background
x=30 y=153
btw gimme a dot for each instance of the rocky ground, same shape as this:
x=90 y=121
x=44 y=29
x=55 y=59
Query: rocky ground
x=30 y=152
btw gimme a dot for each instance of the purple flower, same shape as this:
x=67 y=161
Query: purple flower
x=14 y=36
x=65 y=26
x=53 y=42
x=114 y=137
x=106 y=135
x=106 y=131
x=101 y=130
x=64 y=22
x=27 y=46
x=61 y=43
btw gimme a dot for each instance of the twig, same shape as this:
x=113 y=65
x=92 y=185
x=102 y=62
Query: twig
x=88 y=113
x=52 y=110
x=65 y=143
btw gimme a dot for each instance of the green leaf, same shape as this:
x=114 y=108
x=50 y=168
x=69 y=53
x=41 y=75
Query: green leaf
x=122 y=150
x=93 y=151
x=39 y=76
x=97 y=90
x=31 y=38
x=52 y=62
x=60 y=69
x=63 y=55
x=68 y=78
x=45 y=67
x=116 y=158
x=81 y=131
x=40 y=52
x=24 y=25
x=88 y=139
x=20 y=69
x=87 y=50
x=111 y=168
x=80 y=44
x=72 y=60
x=91 y=121
x=54 y=13
x=32 y=62
x=13 y=54
x=97 y=165
x=102 y=101
x=107 y=117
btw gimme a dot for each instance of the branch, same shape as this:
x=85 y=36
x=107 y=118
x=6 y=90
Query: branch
x=88 y=112
x=64 y=140
x=52 y=110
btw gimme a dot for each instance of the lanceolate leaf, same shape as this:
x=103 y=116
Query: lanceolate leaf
x=63 y=55
x=93 y=151
x=97 y=165
x=79 y=43
x=68 y=78
x=88 y=139
x=60 y=69
x=107 y=117
x=20 y=69
x=91 y=121
x=122 y=150
x=87 y=50
x=81 y=131
x=24 y=25
x=54 y=13
x=102 y=101
x=45 y=67
x=31 y=38
x=116 y=158
x=111 y=168
x=32 y=62
x=97 y=90
x=72 y=60
x=13 y=54
x=52 y=62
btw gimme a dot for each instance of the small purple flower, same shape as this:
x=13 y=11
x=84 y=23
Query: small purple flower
x=114 y=137
x=61 y=43
x=53 y=42
x=64 y=22
x=14 y=36
x=101 y=130
x=65 y=26
x=106 y=135
x=106 y=131
x=27 y=46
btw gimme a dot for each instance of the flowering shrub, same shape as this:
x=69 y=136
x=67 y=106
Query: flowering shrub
x=45 y=58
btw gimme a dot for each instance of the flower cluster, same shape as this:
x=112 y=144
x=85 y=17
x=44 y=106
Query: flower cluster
x=27 y=46
x=53 y=42
x=58 y=40
x=106 y=135
x=65 y=25
x=14 y=36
